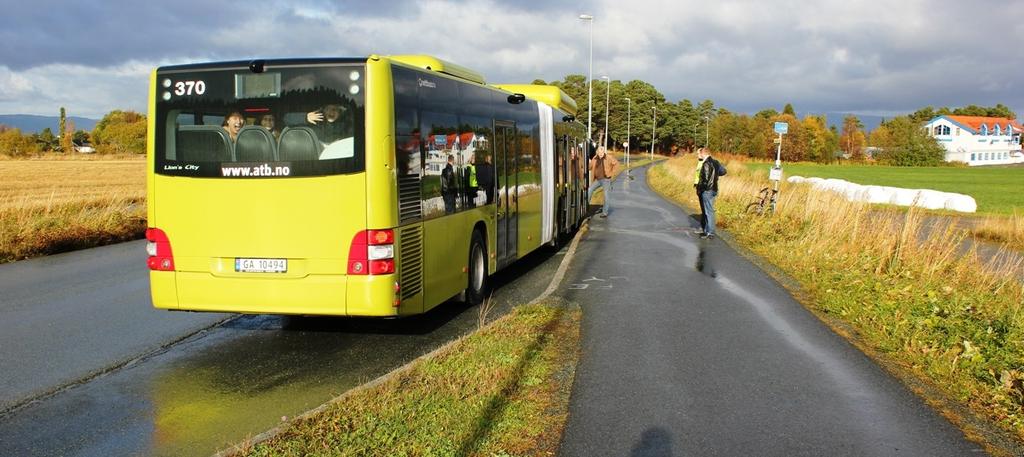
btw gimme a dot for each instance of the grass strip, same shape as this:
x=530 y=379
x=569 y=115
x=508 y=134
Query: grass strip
x=501 y=391
x=904 y=292
x=33 y=231
x=1008 y=230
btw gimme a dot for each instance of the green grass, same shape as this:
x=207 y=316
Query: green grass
x=998 y=190
x=501 y=391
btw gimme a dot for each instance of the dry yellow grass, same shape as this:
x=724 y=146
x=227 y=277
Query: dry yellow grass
x=49 y=206
x=1002 y=229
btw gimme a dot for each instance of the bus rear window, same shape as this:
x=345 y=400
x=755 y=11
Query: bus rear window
x=287 y=122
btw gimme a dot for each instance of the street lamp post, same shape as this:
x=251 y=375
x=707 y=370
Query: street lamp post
x=654 y=125
x=590 y=78
x=707 y=126
x=607 y=92
x=629 y=107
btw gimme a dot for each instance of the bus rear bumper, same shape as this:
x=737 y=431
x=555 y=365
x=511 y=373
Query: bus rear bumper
x=322 y=295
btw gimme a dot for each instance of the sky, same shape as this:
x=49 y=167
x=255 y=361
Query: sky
x=866 y=57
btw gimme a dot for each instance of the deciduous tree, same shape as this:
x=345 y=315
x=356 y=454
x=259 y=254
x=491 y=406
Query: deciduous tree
x=121 y=132
x=14 y=144
x=46 y=140
x=905 y=143
x=852 y=140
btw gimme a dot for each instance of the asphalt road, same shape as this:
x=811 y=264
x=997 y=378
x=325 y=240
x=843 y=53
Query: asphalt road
x=67 y=317
x=689 y=349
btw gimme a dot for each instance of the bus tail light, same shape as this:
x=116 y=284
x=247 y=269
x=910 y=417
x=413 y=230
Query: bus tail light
x=159 y=250
x=372 y=252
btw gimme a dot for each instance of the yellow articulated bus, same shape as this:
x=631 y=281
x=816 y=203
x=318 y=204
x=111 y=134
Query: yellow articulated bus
x=378 y=186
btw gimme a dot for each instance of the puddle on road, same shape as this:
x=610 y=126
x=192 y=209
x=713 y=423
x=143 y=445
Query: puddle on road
x=704 y=264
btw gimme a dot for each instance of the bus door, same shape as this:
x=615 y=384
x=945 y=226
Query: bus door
x=508 y=203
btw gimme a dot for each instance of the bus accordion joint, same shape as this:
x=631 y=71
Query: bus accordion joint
x=372 y=252
x=159 y=250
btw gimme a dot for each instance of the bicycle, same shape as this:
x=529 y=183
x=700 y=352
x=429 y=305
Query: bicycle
x=766 y=198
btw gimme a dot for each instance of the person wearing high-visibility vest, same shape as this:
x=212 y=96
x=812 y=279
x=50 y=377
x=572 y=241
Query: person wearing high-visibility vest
x=471 y=183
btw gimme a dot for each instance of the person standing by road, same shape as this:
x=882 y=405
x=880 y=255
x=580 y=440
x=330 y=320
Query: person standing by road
x=706 y=183
x=471 y=182
x=602 y=167
x=485 y=176
x=448 y=186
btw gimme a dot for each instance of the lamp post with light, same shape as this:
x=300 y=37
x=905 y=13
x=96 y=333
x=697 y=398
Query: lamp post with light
x=629 y=107
x=590 y=77
x=607 y=92
x=707 y=127
x=654 y=125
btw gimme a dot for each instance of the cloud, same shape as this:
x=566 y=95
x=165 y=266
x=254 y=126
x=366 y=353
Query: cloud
x=744 y=55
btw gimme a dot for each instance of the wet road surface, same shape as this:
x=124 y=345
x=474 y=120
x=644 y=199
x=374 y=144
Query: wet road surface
x=68 y=316
x=689 y=349
x=240 y=378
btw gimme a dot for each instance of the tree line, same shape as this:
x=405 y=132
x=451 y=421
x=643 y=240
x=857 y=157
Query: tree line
x=118 y=132
x=684 y=125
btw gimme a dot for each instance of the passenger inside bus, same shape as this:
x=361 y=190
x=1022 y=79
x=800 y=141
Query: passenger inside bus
x=329 y=125
x=233 y=124
x=269 y=122
x=334 y=130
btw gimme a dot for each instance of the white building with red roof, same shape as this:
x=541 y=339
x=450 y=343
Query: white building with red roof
x=978 y=140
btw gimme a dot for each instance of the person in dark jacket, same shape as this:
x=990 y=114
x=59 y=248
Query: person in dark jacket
x=706 y=183
x=448 y=189
x=485 y=177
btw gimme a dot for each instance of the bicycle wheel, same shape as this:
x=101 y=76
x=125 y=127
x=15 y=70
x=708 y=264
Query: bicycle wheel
x=755 y=208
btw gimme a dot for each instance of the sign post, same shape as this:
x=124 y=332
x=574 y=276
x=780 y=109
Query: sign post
x=775 y=175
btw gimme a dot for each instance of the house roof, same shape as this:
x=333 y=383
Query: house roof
x=974 y=123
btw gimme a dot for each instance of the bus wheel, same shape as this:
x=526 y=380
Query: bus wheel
x=477 y=287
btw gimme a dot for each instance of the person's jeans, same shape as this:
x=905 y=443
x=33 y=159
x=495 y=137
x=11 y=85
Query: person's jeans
x=707 y=199
x=605 y=184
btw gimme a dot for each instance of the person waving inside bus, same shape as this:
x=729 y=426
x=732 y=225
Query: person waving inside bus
x=329 y=125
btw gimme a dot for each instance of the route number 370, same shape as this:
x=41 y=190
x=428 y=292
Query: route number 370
x=189 y=88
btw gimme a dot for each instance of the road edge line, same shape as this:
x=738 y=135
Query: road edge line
x=569 y=255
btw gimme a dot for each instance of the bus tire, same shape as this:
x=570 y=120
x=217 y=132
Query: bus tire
x=476 y=288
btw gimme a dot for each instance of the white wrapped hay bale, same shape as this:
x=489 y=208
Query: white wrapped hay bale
x=877 y=194
x=903 y=197
x=962 y=203
x=931 y=199
x=924 y=198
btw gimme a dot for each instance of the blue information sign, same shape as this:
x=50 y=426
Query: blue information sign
x=781 y=127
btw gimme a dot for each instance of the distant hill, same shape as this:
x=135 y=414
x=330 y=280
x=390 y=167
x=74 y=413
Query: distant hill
x=29 y=123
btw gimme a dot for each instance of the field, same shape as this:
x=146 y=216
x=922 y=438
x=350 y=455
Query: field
x=49 y=206
x=998 y=190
